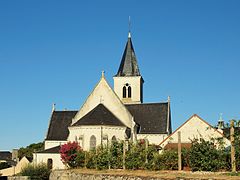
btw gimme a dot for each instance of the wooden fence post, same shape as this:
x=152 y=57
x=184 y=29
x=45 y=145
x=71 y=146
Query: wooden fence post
x=179 y=152
x=233 y=161
x=146 y=148
x=124 y=154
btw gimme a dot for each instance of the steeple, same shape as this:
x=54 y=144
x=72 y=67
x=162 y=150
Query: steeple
x=128 y=82
x=128 y=65
x=220 y=122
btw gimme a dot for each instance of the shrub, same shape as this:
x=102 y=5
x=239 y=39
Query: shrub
x=149 y=156
x=80 y=158
x=135 y=157
x=169 y=160
x=38 y=172
x=204 y=156
x=237 y=149
x=116 y=155
x=68 y=154
x=91 y=159
x=102 y=158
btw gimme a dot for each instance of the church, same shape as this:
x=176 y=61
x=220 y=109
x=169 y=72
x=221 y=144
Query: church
x=109 y=114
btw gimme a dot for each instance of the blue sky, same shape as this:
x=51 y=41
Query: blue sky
x=54 y=52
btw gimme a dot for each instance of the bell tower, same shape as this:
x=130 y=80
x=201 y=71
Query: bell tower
x=128 y=82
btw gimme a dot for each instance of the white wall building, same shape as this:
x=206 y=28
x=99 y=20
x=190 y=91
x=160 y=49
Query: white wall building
x=108 y=114
x=194 y=128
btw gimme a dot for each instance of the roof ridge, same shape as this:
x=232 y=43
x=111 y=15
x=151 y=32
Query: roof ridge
x=147 y=103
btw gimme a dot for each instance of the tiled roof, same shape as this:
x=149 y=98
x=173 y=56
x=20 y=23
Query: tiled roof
x=128 y=66
x=51 y=150
x=152 y=117
x=59 y=123
x=100 y=115
x=5 y=155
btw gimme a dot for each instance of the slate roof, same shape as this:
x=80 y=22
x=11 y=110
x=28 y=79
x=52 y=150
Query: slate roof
x=59 y=123
x=5 y=155
x=51 y=150
x=100 y=115
x=128 y=65
x=152 y=117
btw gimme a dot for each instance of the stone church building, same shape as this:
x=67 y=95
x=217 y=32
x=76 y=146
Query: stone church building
x=109 y=114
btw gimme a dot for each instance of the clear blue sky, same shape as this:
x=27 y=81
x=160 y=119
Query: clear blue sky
x=54 y=51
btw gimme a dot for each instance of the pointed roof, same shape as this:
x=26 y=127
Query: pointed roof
x=58 y=126
x=100 y=115
x=128 y=66
x=151 y=117
x=103 y=94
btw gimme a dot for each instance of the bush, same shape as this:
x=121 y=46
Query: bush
x=68 y=154
x=116 y=155
x=237 y=149
x=204 y=156
x=102 y=158
x=38 y=172
x=80 y=158
x=168 y=160
x=150 y=154
x=135 y=157
x=91 y=159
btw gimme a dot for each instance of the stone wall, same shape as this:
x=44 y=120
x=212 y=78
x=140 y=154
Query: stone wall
x=18 y=178
x=70 y=175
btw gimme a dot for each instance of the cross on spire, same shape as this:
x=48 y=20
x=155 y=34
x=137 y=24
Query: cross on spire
x=129 y=27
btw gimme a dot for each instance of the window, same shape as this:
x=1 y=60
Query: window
x=129 y=92
x=49 y=163
x=114 y=139
x=124 y=92
x=92 y=142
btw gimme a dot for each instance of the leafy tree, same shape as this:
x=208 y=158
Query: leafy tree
x=29 y=150
x=204 y=156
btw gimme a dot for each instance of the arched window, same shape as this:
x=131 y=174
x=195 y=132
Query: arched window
x=92 y=142
x=124 y=92
x=114 y=139
x=129 y=92
x=49 y=163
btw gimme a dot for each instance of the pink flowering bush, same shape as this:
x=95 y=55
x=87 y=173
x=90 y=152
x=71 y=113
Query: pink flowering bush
x=69 y=153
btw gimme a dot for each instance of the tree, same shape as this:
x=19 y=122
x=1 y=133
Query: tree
x=29 y=150
x=204 y=156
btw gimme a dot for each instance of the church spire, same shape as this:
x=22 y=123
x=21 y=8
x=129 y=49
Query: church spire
x=128 y=65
